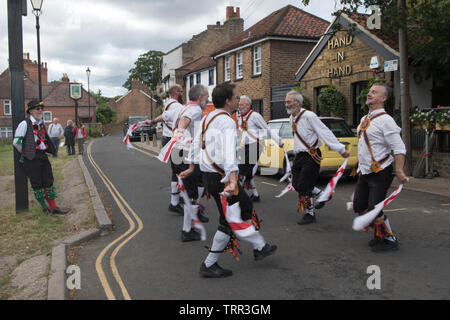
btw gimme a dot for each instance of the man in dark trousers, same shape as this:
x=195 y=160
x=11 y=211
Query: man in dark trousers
x=32 y=141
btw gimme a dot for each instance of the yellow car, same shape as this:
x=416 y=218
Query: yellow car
x=272 y=160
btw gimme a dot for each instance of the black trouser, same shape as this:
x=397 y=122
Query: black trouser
x=164 y=141
x=305 y=172
x=247 y=158
x=192 y=182
x=215 y=187
x=371 y=189
x=39 y=171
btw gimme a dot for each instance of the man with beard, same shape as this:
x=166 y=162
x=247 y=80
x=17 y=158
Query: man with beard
x=172 y=108
x=308 y=130
x=32 y=142
x=184 y=123
x=378 y=136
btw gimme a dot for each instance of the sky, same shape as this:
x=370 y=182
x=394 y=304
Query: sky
x=109 y=35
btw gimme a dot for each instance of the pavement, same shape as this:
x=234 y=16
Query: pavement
x=437 y=186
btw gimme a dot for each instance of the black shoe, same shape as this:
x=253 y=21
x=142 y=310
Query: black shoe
x=59 y=211
x=178 y=209
x=201 y=216
x=307 y=219
x=374 y=242
x=192 y=235
x=46 y=211
x=214 y=271
x=385 y=245
x=264 y=252
x=181 y=200
x=320 y=205
x=255 y=198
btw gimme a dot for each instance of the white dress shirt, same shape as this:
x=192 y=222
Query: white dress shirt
x=21 y=132
x=311 y=129
x=257 y=127
x=168 y=116
x=220 y=144
x=384 y=137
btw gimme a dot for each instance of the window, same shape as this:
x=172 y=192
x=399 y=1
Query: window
x=6 y=132
x=211 y=77
x=257 y=105
x=239 y=66
x=257 y=60
x=191 y=81
x=227 y=70
x=7 y=107
x=199 y=78
x=47 y=116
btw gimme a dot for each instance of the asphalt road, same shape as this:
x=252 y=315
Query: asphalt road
x=326 y=260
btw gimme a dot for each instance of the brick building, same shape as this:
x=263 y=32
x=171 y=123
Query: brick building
x=267 y=55
x=55 y=96
x=138 y=101
x=202 y=44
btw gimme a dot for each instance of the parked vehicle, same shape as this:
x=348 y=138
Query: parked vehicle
x=146 y=129
x=273 y=155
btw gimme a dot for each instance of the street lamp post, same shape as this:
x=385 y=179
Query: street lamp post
x=37 y=5
x=88 y=72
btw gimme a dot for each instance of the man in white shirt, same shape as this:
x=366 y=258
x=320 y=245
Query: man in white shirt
x=171 y=110
x=33 y=143
x=308 y=130
x=185 y=122
x=55 y=132
x=379 y=136
x=215 y=149
x=252 y=131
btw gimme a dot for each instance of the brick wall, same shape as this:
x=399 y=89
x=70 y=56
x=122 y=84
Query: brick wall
x=134 y=104
x=357 y=55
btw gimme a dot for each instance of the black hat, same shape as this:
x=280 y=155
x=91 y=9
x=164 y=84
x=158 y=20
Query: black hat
x=34 y=104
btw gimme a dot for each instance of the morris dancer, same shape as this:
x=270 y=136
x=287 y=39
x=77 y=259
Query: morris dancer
x=32 y=141
x=251 y=125
x=378 y=136
x=308 y=130
x=217 y=145
x=171 y=110
x=185 y=123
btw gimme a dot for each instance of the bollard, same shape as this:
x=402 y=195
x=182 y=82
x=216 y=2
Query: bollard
x=155 y=140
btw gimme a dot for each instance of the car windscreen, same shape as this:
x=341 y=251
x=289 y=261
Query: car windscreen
x=282 y=129
x=339 y=128
x=134 y=120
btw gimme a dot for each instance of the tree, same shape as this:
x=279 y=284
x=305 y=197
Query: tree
x=332 y=103
x=105 y=114
x=146 y=68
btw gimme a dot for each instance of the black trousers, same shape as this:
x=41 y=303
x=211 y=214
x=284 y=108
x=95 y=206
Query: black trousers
x=164 y=141
x=371 y=189
x=192 y=182
x=39 y=171
x=215 y=187
x=247 y=158
x=305 y=172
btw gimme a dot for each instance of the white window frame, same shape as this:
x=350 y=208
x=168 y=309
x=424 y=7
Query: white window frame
x=46 y=113
x=7 y=103
x=227 y=68
x=257 y=60
x=239 y=65
x=7 y=131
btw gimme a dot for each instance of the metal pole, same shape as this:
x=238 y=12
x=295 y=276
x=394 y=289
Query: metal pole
x=89 y=107
x=15 y=40
x=76 y=112
x=39 y=56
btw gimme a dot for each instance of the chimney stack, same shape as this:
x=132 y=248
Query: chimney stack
x=231 y=13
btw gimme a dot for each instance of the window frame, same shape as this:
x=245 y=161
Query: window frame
x=191 y=81
x=43 y=116
x=7 y=102
x=257 y=60
x=211 y=77
x=7 y=131
x=239 y=65
x=227 y=68
x=198 y=78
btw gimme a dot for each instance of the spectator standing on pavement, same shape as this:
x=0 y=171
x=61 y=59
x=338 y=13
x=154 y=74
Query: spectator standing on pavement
x=252 y=129
x=171 y=110
x=308 y=130
x=32 y=142
x=55 y=132
x=216 y=141
x=184 y=123
x=69 y=136
x=80 y=135
x=378 y=136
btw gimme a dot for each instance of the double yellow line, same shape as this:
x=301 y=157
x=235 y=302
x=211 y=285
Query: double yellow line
x=121 y=241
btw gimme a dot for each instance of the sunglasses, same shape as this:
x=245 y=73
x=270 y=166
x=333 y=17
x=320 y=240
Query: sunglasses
x=39 y=108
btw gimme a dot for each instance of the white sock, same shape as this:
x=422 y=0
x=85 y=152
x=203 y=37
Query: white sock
x=175 y=196
x=188 y=216
x=388 y=226
x=253 y=185
x=220 y=241
x=200 y=192
x=316 y=191
x=256 y=239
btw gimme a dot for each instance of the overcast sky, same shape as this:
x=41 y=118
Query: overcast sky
x=108 y=35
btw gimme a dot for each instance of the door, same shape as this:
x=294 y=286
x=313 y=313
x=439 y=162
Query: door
x=358 y=113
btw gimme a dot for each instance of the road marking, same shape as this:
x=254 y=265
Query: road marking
x=270 y=184
x=446 y=205
x=121 y=203
x=145 y=152
x=395 y=210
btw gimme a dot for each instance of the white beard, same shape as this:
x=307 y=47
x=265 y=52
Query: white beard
x=290 y=111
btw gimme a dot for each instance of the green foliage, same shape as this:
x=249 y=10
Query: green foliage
x=306 y=103
x=146 y=68
x=332 y=102
x=430 y=117
x=105 y=114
